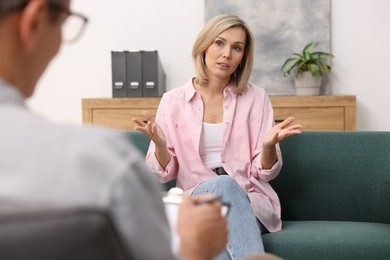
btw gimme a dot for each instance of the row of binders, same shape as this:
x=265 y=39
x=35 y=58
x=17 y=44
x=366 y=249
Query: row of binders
x=137 y=74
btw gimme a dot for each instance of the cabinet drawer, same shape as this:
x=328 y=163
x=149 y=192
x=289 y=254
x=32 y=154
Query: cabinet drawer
x=314 y=118
x=118 y=118
x=313 y=112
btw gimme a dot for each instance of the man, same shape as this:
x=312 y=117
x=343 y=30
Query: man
x=44 y=163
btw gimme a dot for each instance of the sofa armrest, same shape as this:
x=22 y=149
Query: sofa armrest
x=141 y=141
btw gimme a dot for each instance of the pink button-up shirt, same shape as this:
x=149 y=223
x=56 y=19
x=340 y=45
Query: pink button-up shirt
x=246 y=119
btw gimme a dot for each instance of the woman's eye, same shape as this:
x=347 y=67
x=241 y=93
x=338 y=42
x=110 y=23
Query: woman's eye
x=237 y=48
x=219 y=43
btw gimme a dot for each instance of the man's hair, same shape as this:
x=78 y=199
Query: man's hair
x=9 y=6
x=208 y=34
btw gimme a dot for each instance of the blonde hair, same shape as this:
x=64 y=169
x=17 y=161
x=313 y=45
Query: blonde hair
x=206 y=37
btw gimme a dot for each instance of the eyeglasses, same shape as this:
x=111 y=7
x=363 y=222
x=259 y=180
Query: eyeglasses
x=74 y=24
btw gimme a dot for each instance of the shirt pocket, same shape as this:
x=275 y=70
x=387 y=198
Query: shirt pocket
x=184 y=143
x=240 y=143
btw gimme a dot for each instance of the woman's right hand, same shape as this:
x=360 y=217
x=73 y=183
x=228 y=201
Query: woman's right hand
x=151 y=129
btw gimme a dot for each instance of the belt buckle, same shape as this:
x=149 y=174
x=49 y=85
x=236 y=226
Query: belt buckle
x=220 y=171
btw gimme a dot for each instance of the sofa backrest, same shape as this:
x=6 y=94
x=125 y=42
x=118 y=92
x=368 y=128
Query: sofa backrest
x=329 y=175
x=332 y=175
x=141 y=141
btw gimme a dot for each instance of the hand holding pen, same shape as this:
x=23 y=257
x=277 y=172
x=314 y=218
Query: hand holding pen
x=201 y=226
x=175 y=196
x=224 y=207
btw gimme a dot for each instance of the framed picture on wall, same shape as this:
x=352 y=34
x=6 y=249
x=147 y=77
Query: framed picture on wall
x=280 y=28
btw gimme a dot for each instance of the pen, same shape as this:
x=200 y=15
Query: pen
x=225 y=206
x=210 y=200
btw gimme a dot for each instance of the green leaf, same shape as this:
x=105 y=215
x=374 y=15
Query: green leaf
x=300 y=68
x=289 y=65
x=321 y=55
x=309 y=48
x=315 y=69
x=297 y=54
x=324 y=68
x=308 y=61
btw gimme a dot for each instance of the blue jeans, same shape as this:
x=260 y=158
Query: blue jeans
x=244 y=228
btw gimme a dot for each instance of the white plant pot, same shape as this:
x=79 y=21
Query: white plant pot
x=307 y=85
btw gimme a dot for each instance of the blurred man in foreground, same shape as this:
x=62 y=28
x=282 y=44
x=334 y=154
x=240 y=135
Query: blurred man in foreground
x=45 y=163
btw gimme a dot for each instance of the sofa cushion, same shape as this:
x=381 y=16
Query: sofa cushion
x=333 y=175
x=330 y=240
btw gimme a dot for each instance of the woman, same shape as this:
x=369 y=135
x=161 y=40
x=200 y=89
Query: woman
x=216 y=134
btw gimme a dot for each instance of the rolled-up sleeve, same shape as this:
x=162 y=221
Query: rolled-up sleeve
x=170 y=171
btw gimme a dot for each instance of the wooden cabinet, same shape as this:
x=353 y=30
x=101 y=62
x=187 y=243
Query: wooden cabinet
x=117 y=112
x=313 y=112
x=317 y=112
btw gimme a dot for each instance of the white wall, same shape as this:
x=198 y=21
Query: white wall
x=360 y=42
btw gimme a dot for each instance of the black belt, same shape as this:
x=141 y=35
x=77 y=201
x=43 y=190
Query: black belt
x=219 y=171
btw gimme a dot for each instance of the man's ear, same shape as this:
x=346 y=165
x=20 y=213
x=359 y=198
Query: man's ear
x=31 y=23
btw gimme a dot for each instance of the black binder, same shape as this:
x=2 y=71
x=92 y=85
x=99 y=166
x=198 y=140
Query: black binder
x=137 y=74
x=118 y=65
x=134 y=73
x=153 y=75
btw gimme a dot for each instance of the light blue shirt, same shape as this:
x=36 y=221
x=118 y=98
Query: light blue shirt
x=51 y=164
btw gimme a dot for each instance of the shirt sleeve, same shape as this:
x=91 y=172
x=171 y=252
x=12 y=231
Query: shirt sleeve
x=267 y=123
x=138 y=211
x=170 y=172
x=109 y=171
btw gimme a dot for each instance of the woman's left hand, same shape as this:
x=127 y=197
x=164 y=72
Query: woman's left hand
x=281 y=131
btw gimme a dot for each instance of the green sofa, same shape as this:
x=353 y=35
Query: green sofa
x=334 y=189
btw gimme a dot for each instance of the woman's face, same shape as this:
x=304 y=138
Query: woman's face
x=225 y=54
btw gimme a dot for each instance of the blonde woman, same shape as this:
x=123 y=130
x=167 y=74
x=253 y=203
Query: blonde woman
x=216 y=134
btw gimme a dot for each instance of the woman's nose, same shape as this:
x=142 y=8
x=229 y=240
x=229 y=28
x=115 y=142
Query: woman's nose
x=226 y=54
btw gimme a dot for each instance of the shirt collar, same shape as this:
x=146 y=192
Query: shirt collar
x=10 y=94
x=230 y=89
x=190 y=90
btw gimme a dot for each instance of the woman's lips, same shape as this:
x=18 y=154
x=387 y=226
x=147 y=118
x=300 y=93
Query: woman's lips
x=223 y=65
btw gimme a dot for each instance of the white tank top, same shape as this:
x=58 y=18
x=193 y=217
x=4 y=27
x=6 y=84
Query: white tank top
x=210 y=146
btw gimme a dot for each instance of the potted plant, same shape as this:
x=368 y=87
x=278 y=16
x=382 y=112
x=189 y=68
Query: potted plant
x=308 y=68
